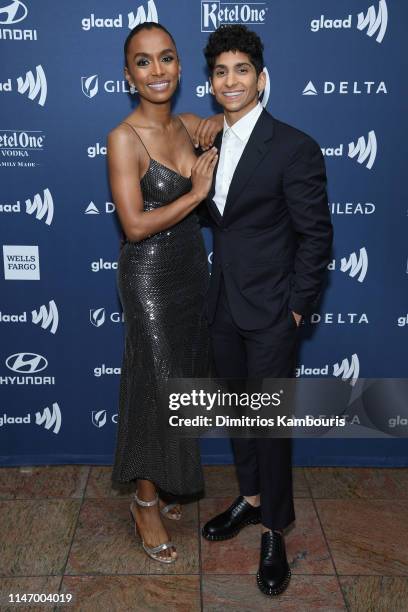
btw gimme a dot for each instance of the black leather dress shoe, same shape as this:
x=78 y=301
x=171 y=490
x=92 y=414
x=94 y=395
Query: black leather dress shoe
x=274 y=573
x=229 y=523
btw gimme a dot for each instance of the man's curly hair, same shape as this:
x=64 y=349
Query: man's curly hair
x=234 y=38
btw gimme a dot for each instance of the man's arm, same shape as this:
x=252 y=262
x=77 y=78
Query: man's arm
x=304 y=185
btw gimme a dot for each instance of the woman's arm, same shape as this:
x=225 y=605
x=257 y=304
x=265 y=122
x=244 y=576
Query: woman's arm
x=124 y=175
x=203 y=131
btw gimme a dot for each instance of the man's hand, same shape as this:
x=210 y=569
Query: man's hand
x=297 y=317
x=207 y=130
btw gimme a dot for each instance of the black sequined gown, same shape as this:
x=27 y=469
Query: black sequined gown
x=162 y=284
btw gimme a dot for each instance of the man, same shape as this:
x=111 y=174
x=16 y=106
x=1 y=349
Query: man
x=272 y=241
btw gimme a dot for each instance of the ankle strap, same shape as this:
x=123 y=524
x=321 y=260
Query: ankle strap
x=145 y=504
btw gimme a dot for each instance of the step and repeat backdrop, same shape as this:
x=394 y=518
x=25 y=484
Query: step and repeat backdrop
x=335 y=70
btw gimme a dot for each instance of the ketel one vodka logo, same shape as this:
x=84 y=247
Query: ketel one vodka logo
x=46 y=317
x=144 y=12
x=32 y=85
x=12 y=13
x=216 y=13
x=374 y=22
x=41 y=206
x=26 y=367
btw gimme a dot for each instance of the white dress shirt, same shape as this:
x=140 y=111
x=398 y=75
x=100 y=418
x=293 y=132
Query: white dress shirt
x=234 y=141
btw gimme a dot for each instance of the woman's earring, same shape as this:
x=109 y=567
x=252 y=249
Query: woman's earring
x=132 y=89
x=179 y=78
x=211 y=90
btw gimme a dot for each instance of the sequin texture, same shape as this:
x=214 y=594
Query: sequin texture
x=162 y=283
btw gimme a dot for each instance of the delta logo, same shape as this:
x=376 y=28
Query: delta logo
x=373 y=22
x=345 y=88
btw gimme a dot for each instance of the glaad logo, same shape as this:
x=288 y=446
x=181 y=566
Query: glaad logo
x=48 y=319
x=96 y=149
x=214 y=14
x=22 y=144
x=50 y=420
x=365 y=151
x=348 y=370
x=97 y=316
x=26 y=364
x=92 y=209
x=141 y=16
x=402 y=321
x=10 y=15
x=104 y=370
x=133 y=19
x=355 y=265
x=346 y=87
x=35 y=85
x=90 y=86
x=21 y=262
x=97 y=266
x=205 y=90
x=40 y=205
x=375 y=21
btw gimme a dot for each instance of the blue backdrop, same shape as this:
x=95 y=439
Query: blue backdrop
x=335 y=70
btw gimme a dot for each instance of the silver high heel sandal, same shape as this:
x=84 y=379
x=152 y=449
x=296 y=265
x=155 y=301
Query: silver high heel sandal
x=166 y=512
x=152 y=551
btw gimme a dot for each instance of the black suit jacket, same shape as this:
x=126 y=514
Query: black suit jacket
x=273 y=242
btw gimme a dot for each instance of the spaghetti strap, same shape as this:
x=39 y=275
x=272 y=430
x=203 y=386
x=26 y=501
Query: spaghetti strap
x=135 y=131
x=184 y=126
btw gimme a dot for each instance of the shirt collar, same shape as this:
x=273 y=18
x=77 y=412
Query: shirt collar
x=242 y=129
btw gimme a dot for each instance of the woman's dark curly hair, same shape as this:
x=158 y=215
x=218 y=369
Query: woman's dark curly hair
x=234 y=38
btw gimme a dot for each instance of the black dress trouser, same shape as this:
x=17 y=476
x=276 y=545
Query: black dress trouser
x=263 y=465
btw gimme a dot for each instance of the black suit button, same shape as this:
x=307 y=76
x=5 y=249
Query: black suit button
x=227 y=265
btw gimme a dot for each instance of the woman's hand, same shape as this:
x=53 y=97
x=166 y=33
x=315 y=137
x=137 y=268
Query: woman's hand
x=202 y=173
x=207 y=130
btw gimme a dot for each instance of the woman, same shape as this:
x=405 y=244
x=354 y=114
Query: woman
x=157 y=181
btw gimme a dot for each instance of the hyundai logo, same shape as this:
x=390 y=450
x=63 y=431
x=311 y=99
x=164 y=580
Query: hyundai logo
x=26 y=363
x=14 y=12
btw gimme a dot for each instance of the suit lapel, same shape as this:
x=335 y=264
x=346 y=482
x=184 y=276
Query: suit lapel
x=255 y=149
x=211 y=204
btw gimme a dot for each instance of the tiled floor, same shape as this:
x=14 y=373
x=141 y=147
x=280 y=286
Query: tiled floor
x=64 y=530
